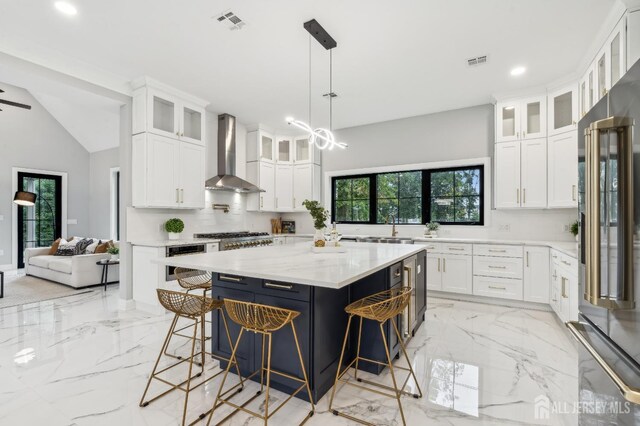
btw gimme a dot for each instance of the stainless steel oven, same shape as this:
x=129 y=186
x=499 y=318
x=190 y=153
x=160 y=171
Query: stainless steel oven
x=173 y=251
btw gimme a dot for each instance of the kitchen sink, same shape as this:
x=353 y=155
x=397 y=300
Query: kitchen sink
x=385 y=240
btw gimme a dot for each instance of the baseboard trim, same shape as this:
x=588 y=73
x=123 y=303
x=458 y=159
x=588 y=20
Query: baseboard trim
x=126 y=304
x=489 y=301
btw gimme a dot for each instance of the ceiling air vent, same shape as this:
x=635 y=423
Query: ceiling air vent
x=478 y=60
x=231 y=20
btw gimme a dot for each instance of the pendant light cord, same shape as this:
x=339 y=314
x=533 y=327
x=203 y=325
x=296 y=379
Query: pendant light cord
x=309 y=112
x=331 y=90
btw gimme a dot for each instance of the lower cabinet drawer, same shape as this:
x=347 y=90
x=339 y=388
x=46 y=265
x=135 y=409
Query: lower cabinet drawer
x=503 y=288
x=503 y=250
x=501 y=267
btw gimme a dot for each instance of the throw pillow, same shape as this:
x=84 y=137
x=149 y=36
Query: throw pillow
x=92 y=247
x=81 y=246
x=55 y=245
x=102 y=247
x=67 y=249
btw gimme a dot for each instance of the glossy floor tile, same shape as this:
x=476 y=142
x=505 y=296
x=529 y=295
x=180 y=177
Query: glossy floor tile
x=80 y=361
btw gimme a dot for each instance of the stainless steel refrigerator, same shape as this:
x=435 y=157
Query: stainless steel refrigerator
x=608 y=328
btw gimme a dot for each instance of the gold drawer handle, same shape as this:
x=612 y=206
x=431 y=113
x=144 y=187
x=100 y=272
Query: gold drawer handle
x=228 y=278
x=497 y=288
x=497 y=251
x=456 y=249
x=279 y=286
x=497 y=267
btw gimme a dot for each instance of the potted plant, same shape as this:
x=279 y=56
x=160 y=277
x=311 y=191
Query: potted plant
x=114 y=252
x=320 y=216
x=575 y=229
x=432 y=227
x=174 y=227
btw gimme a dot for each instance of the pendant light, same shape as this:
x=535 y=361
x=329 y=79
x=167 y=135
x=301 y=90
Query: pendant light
x=322 y=138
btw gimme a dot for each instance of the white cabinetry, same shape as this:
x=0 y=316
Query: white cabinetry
x=564 y=286
x=286 y=167
x=521 y=174
x=447 y=271
x=563 y=110
x=284 y=187
x=563 y=170
x=167 y=173
x=522 y=119
x=536 y=274
x=497 y=271
x=164 y=111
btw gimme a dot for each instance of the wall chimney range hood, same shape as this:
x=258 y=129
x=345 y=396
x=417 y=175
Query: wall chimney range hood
x=227 y=179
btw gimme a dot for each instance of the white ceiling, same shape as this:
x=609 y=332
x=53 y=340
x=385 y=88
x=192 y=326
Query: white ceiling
x=394 y=58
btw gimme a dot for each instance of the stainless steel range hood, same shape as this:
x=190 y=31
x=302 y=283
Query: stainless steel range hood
x=227 y=179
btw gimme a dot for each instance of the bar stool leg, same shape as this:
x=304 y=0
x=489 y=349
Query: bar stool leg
x=193 y=354
x=304 y=371
x=338 y=374
x=155 y=367
x=266 y=400
x=393 y=376
x=226 y=373
x=406 y=357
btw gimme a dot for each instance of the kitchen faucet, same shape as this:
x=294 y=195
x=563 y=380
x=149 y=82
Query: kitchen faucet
x=394 y=232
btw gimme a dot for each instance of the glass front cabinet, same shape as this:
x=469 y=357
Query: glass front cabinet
x=521 y=119
x=563 y=110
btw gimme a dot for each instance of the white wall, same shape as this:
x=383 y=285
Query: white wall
x=451 y=135
x=100 y=164
x=34 y=139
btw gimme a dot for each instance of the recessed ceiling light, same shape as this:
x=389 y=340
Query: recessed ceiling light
x=518 y=71
x=66 y=8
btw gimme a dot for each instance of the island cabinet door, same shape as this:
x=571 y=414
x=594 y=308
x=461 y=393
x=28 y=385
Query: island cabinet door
x=220 y=344
x=284 y=355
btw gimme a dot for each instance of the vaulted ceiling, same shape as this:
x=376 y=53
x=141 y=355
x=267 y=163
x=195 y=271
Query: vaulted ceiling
x=394 y=58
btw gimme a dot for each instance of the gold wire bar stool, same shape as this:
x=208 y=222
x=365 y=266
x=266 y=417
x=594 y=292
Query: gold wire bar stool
x=380 y=307
x=191 y=280
x=191 y=307
x=265 y=320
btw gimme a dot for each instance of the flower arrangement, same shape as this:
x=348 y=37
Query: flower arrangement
x=320 y=215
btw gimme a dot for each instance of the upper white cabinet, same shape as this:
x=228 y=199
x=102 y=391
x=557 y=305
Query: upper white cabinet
x=521 y=119
x=507 y=175
x=533 y=173
x=563 y=170
x=286 y=167
x=164 y=111
x=167 y=173
x=305 y=152
x=563 y=110
x=261 y=146
x=168 y=154
x=284 y=150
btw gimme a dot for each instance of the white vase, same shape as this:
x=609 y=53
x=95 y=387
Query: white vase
x=434 y=234
x=114 y=257
x=174 y=235
x=319 y=235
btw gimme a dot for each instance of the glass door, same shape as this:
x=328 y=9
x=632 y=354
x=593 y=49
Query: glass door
x=39 y=225
x=534 y=122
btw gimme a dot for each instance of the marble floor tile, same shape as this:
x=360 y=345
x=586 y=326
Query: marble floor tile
x=81 y=361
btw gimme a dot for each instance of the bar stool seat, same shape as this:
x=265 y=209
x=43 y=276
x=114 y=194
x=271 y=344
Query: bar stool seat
x=266 y=320
x=379 y=307
x=192 y=280
x=194 y=308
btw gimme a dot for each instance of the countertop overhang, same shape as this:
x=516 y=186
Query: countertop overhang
x=296 y=263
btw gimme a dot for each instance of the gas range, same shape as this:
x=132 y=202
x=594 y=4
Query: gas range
x=238 y=240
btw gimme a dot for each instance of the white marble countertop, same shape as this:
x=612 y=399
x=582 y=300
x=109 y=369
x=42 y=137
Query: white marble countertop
x=296 y=263
x=169 y=243
x=567 y=247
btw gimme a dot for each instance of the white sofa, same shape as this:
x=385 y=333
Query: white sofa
x=75 y=271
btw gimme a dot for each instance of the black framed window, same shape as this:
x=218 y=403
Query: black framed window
x=456 y=196
x=352 y=199
x=451 y=196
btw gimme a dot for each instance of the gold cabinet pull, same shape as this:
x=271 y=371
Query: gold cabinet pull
x=261 y=201
x=229 y=278
x=573 y=192
x=278 y=286
x=524 y=195
x=497 y=267
x=444 y=265
x=497 y=287
x=518 y=195
x=563 y=280
x=456 y=248
x=438 y=264
x=497 y=250
x=408 y=270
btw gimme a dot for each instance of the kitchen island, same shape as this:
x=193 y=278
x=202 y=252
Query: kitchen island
x=319 y=286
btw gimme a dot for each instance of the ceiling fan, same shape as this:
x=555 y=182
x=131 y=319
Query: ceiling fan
x=11 y=103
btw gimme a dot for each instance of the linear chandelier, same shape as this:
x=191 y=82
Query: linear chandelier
x=322 y=138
